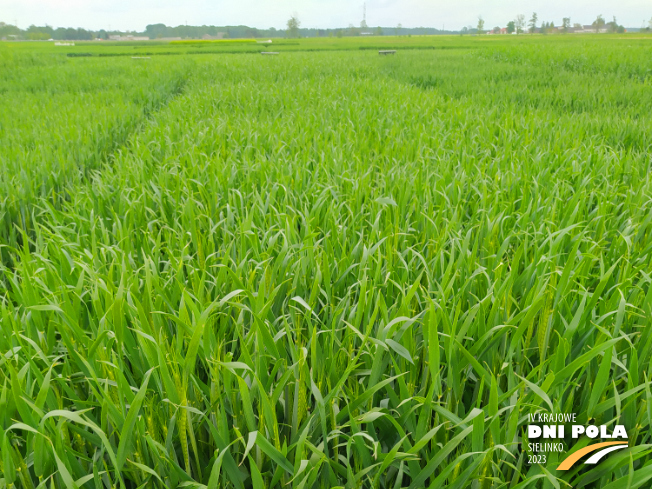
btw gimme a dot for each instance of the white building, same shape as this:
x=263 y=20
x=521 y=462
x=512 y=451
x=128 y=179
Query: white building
x=589 y=29
x=128 y=38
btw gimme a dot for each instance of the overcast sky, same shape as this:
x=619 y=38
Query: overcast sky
x=453 y=14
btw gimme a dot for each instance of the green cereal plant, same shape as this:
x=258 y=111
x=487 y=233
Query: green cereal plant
x=327 y=269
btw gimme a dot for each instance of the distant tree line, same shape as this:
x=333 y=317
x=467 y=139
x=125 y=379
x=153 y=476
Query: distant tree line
x=293 y=30
x=161 y=31
x=34 y=33
x=519 y=25
x=8 y=30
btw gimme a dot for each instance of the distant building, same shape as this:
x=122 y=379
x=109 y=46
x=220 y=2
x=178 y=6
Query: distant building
x=218 y=36
x=128 y=38
x=590 y=29
x=577 y=29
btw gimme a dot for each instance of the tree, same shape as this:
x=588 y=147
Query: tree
x=379 y=31
x=496 y=30
x=598 y=23
x=293 y=27
x=156 y=31
x=480 y=25
x=38 y=36
x=35 y=33
x=520 y=23
x=613 y=25
x=565 y=23
x=251 y=32
x=398 y=29
x=547 y=27
x=533 y=22
x=511 y=27
x=465 y=30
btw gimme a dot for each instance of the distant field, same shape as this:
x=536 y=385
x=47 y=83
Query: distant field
x=326 y=268
x=126 y=48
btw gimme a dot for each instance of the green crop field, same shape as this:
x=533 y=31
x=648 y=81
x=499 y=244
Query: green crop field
x=326 y=268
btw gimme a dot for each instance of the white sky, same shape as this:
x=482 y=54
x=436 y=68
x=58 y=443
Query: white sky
x=453 y=14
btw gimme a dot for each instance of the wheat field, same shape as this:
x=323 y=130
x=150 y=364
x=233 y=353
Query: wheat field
x=324 y=269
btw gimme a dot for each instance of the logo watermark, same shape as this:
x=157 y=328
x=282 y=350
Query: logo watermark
x=550 y=432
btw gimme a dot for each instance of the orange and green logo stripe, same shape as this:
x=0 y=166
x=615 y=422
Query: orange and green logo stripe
x=607 y=447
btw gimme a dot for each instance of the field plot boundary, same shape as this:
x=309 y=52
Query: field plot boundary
x=18 y=211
